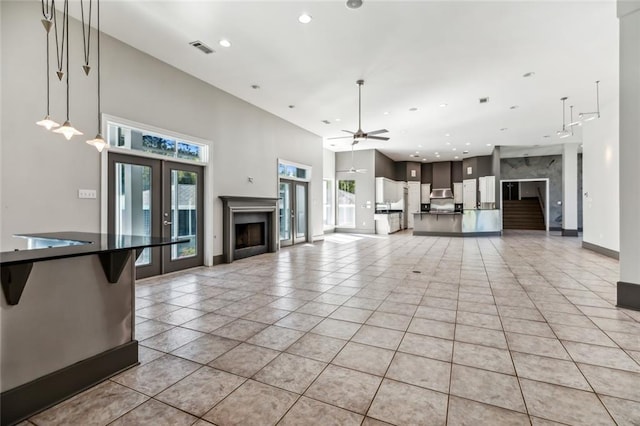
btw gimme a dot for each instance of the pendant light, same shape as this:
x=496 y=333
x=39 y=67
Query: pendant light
x=98 y=141
x=564 y=133
x=571 y=119
x=67 y=128
x=86 y=37
x=47 y=11
x=588 y=116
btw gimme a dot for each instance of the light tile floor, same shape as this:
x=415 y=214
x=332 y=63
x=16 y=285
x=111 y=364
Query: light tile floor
x=377 y=330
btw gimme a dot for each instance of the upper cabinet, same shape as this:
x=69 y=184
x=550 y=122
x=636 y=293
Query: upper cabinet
x=388 y=191
x=487 y=189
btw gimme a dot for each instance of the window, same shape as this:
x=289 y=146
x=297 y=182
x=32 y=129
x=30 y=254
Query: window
x=293 y=171
x=327 y=203
x=128 y=137
x=347 y=203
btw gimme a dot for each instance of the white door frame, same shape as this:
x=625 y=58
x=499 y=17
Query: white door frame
x=546 y=204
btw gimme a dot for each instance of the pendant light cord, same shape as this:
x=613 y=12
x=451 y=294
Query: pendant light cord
x=86 y=36
x=66 y=12
x=48 y=9
x=60 y=49
x=99 y=109
x=48 y=96
x=598 y=97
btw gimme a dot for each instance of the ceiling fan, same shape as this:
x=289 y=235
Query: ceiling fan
x=352 y=169
x=359 y=135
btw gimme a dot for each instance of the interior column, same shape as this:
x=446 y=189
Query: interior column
x=629 y=284
x=570 y=190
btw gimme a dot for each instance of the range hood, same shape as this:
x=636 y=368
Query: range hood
x=441 y=193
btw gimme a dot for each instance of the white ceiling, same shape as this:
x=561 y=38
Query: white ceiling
x=411 y=54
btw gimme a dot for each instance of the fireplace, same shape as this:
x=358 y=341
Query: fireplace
x=250 y=234
x=249 y=227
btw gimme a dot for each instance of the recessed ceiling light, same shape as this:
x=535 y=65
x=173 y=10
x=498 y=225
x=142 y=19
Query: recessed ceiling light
x=484 y=100
x=436 y=153
x=224 y=43
x=443 y=105
x=437 y=156
x=419 y=146
x=514 y=107
x=448 y=143
x=326 y=121
x=338 y=119
x=488 y=144
x=529 y=74
x=454 y=149
x=468 y=143
x=255 y=86
x=417 y=152
x=447 y=134
x=503 y=129
x=456 y=157
x=304 y=18
x=292 y=106
x=465 y=152
x=386 y=113
x=424 y=159
x=413 y=109
x=354 y=4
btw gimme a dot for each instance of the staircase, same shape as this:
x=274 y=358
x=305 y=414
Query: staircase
x=522 y=214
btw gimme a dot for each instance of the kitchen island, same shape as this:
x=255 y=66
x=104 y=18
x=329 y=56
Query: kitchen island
x=67 y=316
x=468 y=223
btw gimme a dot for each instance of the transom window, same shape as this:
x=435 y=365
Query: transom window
x=155 y=142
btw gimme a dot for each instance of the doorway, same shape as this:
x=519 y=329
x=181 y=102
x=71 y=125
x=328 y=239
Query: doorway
x=151 y=197
x=525 y=203
x=293 y=212
x=510 y=191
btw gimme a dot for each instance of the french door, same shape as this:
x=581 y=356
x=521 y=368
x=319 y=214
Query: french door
x=152 y=197
x=293 y=212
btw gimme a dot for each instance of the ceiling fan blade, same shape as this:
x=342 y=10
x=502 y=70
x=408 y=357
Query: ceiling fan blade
x=342 y=137
x=378 y=138
x=361 y=170
x=377 y=132
x=346 y=171
x=349 y=131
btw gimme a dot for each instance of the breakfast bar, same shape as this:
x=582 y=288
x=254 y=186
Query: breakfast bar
x=67 y=316
x=468 y=223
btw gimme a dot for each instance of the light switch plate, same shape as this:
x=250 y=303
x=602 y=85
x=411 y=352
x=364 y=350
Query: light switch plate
x=87 y=193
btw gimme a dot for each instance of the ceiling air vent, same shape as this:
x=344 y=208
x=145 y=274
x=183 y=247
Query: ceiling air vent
x=326 y=121
x=484 y=100
x=202 y=47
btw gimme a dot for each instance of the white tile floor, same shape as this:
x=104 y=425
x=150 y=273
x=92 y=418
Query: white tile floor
x=378 y=330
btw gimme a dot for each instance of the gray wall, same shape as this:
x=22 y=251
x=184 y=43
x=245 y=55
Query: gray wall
x=550 y=167
x=456 y=171
x=495 y=171
x=245 y=140
x=441 y=175
x=427 y=173
x=384 y=166
x=365 y=187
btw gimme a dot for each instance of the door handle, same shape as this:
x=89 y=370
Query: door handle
x=166 y=222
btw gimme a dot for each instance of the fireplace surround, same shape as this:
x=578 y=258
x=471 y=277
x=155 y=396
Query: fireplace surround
x=249 y=226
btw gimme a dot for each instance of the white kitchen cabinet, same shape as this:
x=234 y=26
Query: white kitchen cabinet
x=413 y=203
x=457 y=192
x=487 y=188
x=426 y=193
x=388 y=191
x=469 y=194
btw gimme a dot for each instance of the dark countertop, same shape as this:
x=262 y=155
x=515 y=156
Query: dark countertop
x=435 y=213
x=94 y=243
x=387 y=211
